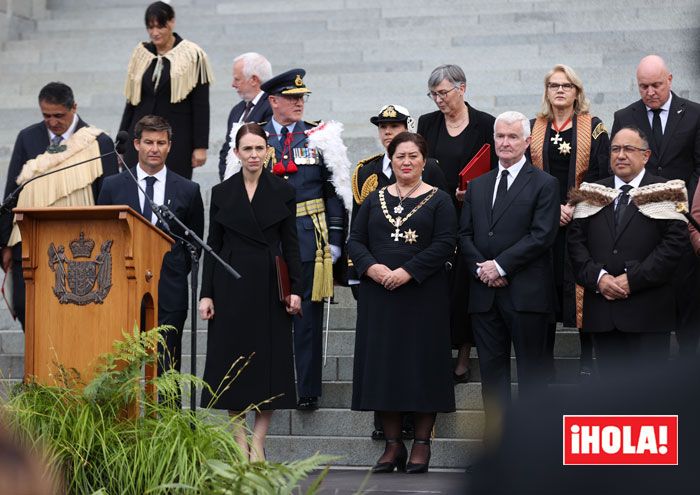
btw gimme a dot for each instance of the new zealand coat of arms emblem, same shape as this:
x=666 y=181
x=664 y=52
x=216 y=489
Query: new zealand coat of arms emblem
x=81 y=282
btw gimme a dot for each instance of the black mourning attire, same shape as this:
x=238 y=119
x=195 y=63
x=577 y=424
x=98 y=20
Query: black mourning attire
x=249 y=317
x=453 y=153
x=402 y=344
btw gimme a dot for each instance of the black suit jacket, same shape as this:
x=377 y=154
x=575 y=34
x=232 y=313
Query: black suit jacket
x=648 y=250
x=261 y=112
x=518 y=234
x=33 y=141
x=183 y=198
x=679 y=154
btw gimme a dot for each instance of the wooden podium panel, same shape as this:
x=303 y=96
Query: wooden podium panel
x=87 y=270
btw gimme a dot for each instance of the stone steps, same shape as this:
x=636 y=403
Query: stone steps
x=359 y=54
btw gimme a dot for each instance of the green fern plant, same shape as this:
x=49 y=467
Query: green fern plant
x=85 y=437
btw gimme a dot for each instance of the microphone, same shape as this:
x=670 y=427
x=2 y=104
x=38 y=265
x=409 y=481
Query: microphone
x=11 y=200
x=121 y=142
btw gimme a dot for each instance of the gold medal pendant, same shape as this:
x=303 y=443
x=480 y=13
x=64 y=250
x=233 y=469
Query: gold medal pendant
x=410 y=236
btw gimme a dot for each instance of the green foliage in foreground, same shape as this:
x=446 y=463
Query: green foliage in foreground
x=85 y=437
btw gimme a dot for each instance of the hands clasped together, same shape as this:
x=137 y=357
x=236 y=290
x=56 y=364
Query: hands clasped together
x=490 y=275
x=389 y=279
x=614 y=288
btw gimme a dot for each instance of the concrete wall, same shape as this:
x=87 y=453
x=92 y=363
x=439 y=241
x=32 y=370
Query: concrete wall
x=17 y=16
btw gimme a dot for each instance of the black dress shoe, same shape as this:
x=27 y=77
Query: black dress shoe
x=378 y=434
x=408 y=433
x=415 y=468
x=462 y=378
x=398 y=463
x=307 y=404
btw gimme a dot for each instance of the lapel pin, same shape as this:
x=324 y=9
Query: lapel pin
x=679 y=111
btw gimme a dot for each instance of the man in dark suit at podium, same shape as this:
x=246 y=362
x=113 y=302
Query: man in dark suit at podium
x=250 y=70
x=672 y=125
x=61 y=133
x=183 y=198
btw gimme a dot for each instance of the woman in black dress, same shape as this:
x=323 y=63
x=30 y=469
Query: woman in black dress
x=455 y=133
x=399 y=243
x=252 y=220
x=574 y=147
x=170 y=77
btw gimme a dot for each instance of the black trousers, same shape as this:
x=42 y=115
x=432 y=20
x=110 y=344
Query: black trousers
x=172 y=358
x=18 y=289
x=625 y=352
x=494 y=332
x=308 y=339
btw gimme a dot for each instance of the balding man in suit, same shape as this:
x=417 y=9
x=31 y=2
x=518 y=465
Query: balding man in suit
x=672 y=125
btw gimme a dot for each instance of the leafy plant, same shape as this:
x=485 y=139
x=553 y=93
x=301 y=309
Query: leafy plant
x=87 y=435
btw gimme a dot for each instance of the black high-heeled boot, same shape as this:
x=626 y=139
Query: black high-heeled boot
x=399 y=461
x=415 y=468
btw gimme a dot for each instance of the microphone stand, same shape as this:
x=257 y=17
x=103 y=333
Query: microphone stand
x=162 y=212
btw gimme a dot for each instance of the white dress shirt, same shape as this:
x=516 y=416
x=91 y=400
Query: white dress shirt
x=513 y=172
x=158 y=188
x=386 y=167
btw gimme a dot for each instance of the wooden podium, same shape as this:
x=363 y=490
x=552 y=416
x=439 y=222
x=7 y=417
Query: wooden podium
x=87 y=271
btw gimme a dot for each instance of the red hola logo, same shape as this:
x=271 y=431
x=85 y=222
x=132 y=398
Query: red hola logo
x=620 y=440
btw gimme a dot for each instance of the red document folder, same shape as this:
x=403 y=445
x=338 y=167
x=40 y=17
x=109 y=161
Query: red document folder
x=479 y=165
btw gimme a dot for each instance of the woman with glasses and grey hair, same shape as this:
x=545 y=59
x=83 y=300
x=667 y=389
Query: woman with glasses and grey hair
x=455 y=133
x=573 y=146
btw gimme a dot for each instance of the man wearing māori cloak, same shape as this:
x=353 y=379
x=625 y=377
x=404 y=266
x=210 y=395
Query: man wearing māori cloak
x=627 y=237
x=60 y=140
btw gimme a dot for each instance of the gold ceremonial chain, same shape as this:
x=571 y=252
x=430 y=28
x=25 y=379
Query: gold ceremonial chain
x=409 y=236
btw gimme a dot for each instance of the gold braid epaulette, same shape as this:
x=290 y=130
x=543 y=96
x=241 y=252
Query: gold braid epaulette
x=368 y=185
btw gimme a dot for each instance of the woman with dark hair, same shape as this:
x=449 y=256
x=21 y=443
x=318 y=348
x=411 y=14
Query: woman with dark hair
x=455 y=133
x=252 y=221
x=400 y=240
x=170 y=77
x=573 y=146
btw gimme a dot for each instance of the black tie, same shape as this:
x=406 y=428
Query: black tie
x=248 y=107
x=502 y=188
x=656 y=130
x=622 y=202
x=283 y=135
x=147 y=211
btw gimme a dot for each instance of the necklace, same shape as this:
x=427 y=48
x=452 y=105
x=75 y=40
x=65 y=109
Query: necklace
x=409 y=235
x=398 y=209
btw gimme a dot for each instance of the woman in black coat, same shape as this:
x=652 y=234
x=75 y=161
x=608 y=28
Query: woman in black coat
x=455 y=133
x=170 y=77
x=252 y=221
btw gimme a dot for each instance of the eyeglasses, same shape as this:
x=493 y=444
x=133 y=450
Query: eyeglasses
x=628 y=148
x=434 y=95
x=556 y=86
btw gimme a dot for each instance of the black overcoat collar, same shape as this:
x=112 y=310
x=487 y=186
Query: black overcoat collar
x=251 y=219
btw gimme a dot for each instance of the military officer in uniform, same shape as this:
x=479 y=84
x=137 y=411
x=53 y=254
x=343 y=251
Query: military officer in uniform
x=312 y=158
x=374 y=173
